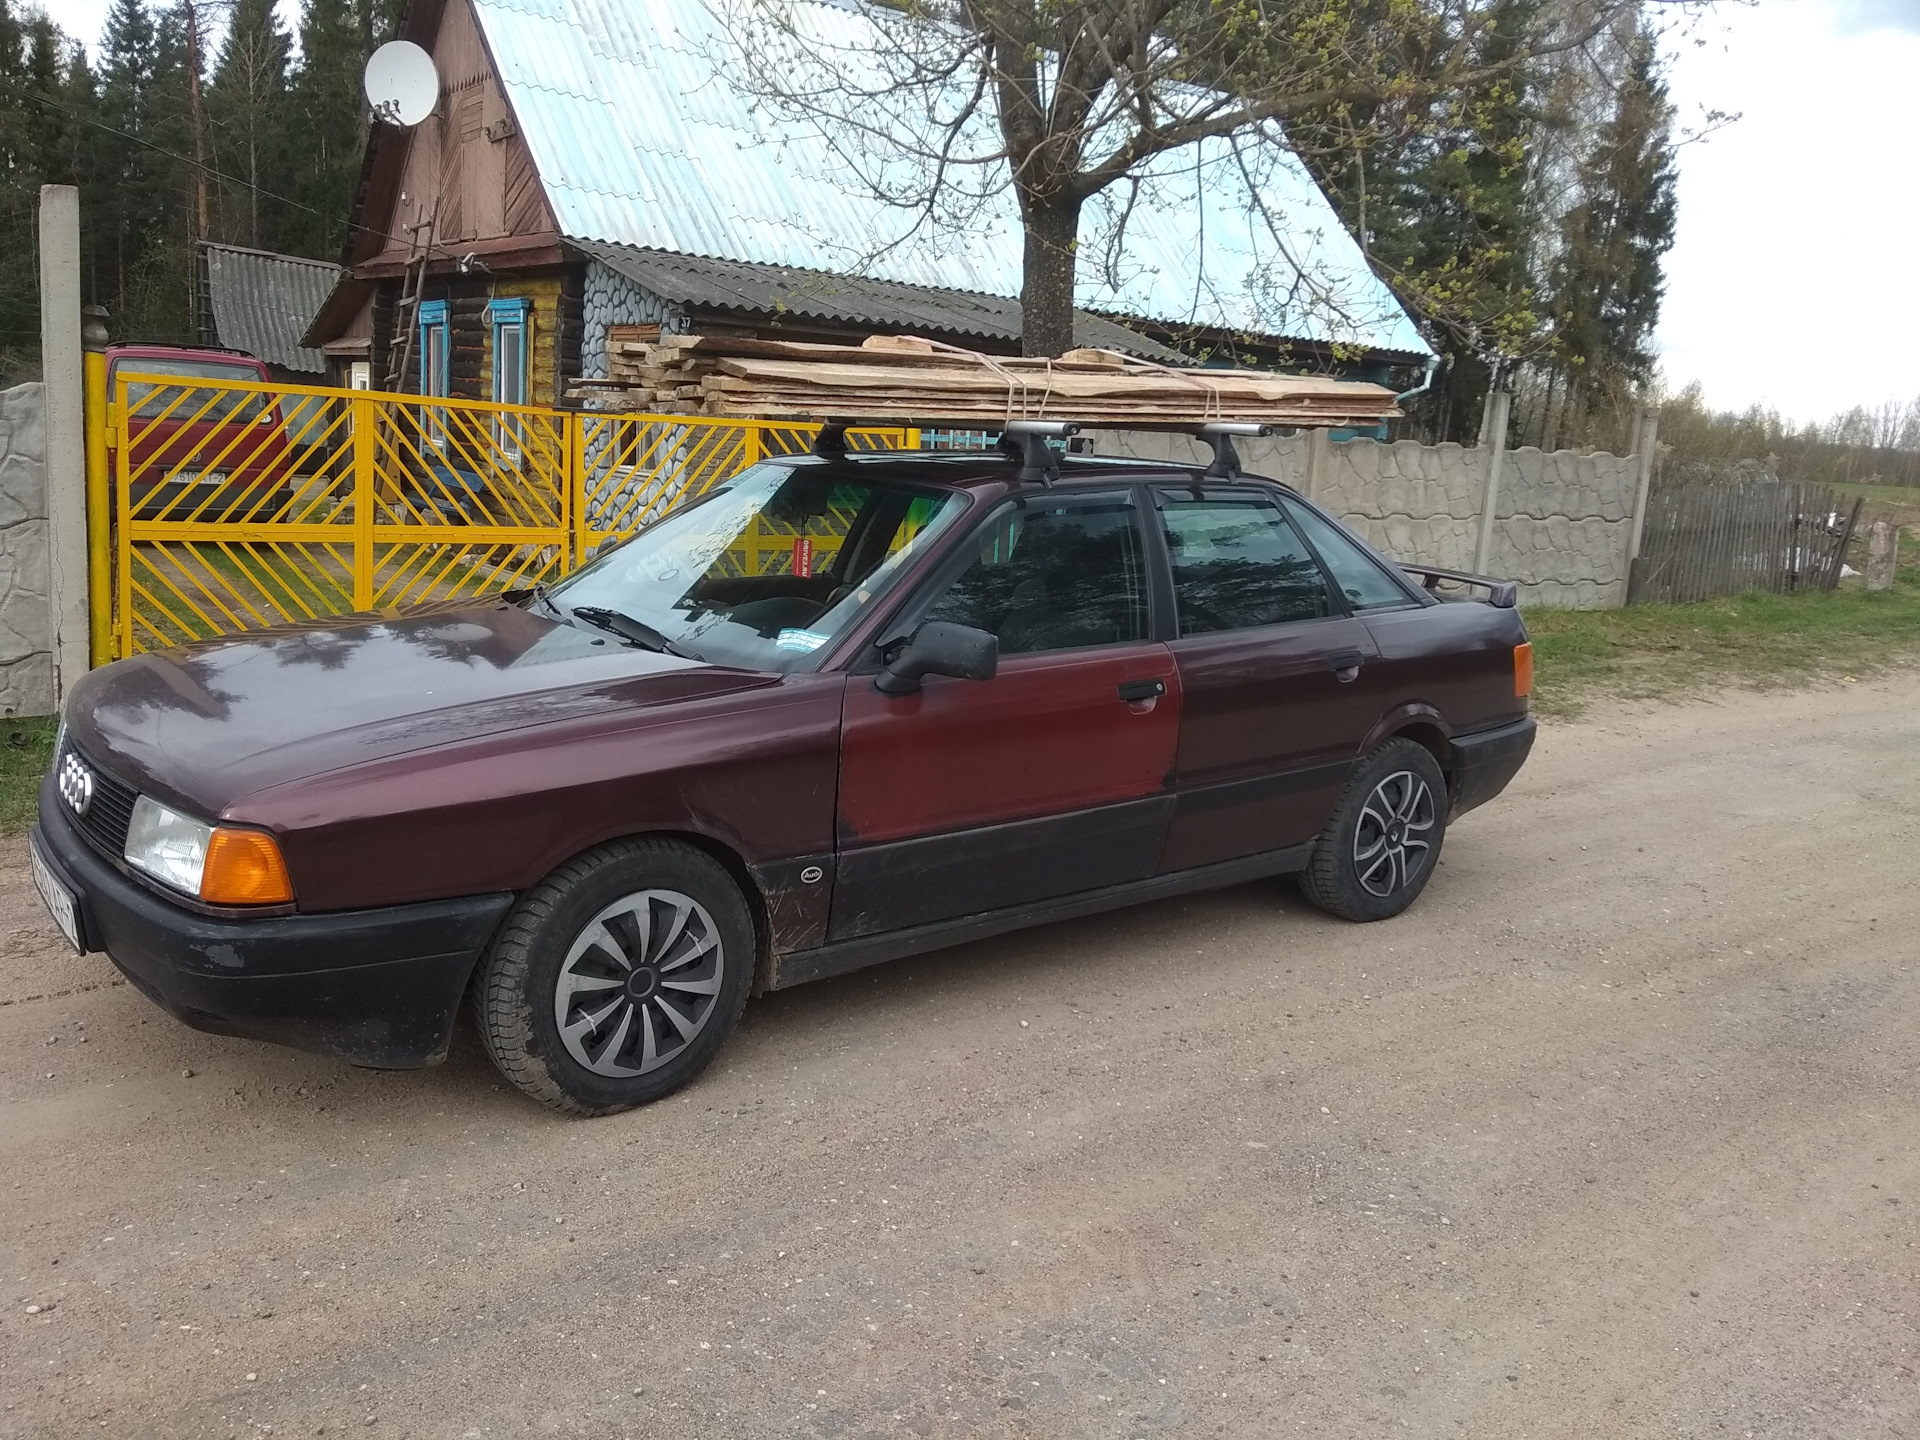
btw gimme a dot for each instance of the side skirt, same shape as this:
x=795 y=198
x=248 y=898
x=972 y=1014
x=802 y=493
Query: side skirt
x=837 y=958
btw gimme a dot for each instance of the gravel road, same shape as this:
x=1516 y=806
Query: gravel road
x=1614 y=1134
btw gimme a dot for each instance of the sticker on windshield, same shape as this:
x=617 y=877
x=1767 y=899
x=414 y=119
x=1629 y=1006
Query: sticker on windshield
x=800 y=640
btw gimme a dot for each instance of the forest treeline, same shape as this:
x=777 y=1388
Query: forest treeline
x=194 y=118
x=1861 y=445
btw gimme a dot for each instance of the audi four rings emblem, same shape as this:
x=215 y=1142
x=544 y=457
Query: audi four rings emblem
x=76 y=784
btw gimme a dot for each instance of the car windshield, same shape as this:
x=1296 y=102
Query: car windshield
x=766 y=570
x=177 y=403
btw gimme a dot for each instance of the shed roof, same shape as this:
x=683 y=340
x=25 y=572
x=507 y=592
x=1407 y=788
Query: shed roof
x=853 y=300
x=262 y=303
x=641 y=138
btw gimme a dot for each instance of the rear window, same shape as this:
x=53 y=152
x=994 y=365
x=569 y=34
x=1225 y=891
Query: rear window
x=184 y=403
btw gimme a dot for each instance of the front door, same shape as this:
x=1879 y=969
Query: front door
x=1275 y=693
x=1051 y=778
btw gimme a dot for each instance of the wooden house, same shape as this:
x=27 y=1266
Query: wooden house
x=590 y=165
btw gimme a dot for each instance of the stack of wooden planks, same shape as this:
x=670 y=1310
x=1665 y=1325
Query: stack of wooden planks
x=909 y=380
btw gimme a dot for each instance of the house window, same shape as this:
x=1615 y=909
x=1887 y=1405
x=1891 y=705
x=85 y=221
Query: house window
x=509 y=319
x=433 y=365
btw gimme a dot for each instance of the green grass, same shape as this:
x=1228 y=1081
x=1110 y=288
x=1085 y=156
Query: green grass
x=1906 y=497
x=1668 y=652
x=26 y=749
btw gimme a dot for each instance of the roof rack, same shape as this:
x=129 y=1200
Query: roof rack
x=1219 y=434
x=831 y=442
x=1026 y=441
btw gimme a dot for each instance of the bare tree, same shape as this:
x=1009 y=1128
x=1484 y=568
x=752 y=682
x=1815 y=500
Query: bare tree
x=940 y=106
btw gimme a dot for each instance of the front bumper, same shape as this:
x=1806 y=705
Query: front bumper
x=1485 y=761
x=372 y=987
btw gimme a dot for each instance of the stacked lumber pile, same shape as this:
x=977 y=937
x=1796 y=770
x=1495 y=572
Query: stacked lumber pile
x=907 y=380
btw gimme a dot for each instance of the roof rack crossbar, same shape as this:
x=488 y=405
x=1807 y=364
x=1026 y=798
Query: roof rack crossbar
x=1220 y=434
x=1026 y=441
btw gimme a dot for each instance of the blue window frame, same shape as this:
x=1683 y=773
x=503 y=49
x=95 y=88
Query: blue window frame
x=510 y=320
x=433 y=365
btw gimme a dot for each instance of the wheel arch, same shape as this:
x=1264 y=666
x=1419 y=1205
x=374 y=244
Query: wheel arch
x=722 y=854
x=1421 y=723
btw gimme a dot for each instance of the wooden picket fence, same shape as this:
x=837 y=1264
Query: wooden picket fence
x=1701 y=542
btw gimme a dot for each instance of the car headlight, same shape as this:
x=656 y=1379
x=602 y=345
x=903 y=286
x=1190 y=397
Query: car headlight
x=221 y=864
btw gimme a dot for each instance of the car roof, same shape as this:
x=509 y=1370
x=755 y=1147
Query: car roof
x=188 y=352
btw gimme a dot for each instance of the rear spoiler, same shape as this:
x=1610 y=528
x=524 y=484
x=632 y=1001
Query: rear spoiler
x=1500 y=593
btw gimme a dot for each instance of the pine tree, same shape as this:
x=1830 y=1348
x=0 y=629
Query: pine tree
x=247 y=111
x=330 y=117
x=1607 y=279
x=129 y=202
x=1442 y=203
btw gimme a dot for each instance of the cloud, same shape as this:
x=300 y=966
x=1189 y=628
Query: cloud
x=1857 y=17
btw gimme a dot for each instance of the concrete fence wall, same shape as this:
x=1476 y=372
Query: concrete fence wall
x=1562 y=522
x=26 y=609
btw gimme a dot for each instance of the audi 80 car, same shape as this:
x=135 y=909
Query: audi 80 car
x=844 y=708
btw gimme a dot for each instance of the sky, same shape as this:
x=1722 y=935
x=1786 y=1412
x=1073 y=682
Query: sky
x=1790 y=282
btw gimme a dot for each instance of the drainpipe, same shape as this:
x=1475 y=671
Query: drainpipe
x=1426 y=381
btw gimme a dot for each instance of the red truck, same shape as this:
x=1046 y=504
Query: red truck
x=196 y=450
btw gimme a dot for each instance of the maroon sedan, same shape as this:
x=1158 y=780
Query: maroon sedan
x=848 y=707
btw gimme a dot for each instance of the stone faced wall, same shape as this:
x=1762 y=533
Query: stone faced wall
x=26 y=613
x=1562 y=522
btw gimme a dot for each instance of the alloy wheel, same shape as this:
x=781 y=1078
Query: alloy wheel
x=1391 y=844
x=640 y=982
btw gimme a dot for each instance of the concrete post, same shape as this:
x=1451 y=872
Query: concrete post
x=1883 y=554
x=62 y=368
x=1644 y=442
x=1319 y=454
x=1499 y=404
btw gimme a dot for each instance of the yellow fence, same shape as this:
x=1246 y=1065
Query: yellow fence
x=221 y=507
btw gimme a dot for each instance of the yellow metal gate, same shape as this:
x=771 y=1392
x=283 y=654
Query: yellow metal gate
x=221 y=507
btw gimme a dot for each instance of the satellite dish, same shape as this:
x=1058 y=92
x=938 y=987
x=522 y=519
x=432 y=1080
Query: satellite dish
x=402 y=85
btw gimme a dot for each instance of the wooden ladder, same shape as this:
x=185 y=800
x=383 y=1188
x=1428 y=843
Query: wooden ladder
x=406 y=310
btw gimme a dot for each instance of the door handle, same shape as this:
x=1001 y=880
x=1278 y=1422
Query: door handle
x=1135 y=691
x=1345 y=664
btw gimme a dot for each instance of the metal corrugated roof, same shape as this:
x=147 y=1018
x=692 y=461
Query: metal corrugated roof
x=853 y=300
x=641 y=139
x=263 y=303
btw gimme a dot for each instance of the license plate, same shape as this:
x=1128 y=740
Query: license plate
x=212 y=477
x=59 y=900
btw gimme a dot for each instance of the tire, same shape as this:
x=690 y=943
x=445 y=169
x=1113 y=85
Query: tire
x=1379 y=849
x=616 y=979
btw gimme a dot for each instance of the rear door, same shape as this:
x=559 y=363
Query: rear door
x=1275 y=693
x=1051 y=778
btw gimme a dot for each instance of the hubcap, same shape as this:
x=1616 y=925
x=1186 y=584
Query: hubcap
x=640 y=982
x=1391 y=845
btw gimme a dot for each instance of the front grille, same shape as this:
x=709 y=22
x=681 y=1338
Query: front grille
x=107 y=818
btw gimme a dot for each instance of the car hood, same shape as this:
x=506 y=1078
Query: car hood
x=204 y=725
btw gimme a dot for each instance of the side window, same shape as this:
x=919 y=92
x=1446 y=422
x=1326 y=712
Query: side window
x=509 y=318
x=433 y=365
x=1238 y=564
x=1359 y=576
x=1054 y=577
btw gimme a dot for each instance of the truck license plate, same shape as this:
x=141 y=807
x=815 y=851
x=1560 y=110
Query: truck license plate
x=59 y=900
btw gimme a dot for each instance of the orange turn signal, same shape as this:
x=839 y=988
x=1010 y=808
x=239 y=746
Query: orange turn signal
x=244 y=867
x=1523 y=670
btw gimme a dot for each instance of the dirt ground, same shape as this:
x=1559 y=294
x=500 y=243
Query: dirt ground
x=1615 y=1134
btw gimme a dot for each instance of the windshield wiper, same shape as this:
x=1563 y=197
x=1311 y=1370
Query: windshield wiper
x=630 y=629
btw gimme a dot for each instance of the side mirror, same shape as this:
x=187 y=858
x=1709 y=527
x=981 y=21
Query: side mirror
x=941 y=648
